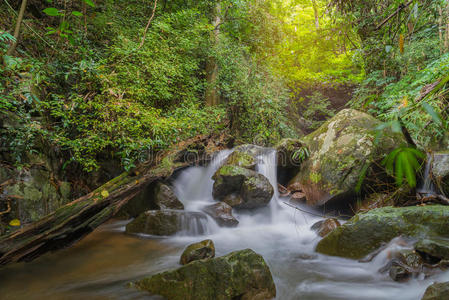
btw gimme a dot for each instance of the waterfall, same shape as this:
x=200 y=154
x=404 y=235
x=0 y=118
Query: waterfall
x=427 y=186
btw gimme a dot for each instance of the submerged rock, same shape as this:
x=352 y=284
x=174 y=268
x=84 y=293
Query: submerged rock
x=202 y=250
x=165 y=198
x=368 y=231
x=339 y=150
x=437 y=291
x=222 y=214
x=166 y=222
x=248 y=188
x=238 y=275
x=324 y=227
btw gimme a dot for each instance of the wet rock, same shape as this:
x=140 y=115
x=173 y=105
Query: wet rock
x=399 y=273
x=253 y=189
x=366 y=232
x=165 y=198
x=434 y=247
x=166 y=222
x=339 y=150
x=222 y=214
x=437 y=291
x=241 y=159
x=251 y=149
x=197 y=251
x=233 y=200
x=440 y=171
x=324 y=227
x=256 y=192
x=403 y=265
x=238 y=275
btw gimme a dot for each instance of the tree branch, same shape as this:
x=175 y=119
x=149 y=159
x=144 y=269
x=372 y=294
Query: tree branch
x=148 y=25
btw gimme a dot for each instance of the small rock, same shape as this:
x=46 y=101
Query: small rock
x=434 y=247
x=165 y=198
x=299 y=196
x=222 y=214
x=399 y=273
x=437 y=291
x=197 y=251
x=324 y=227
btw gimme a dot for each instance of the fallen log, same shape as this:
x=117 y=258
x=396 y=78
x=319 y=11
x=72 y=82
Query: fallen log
x=75 y=220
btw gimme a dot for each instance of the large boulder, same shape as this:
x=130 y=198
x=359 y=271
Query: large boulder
x=238 y=275
x=339 y=150
x=165 y=198
x=202 y=250
x=368 y=231
x=241 y=159
x=222 y=214
x=437 y=291
x=249 y=188
x=440 y=171
x=166 y=222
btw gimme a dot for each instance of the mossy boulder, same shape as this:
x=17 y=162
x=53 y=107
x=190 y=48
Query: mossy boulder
x=228 y=180
x=368 y=231
x=239 y=275
x=253 y=188
x=435 y=247
x=222 y=214
x=165 y=198
x=202 y=250
x=339 y=150
x=257 y=191
x=437 y=291
x=164 y=222
x=241 y=159
x=440 y=171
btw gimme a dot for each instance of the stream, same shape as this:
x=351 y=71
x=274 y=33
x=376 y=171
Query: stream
x=101 y=265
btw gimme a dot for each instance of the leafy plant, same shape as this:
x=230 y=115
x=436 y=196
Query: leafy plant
x=403 y=163
x=301 y=154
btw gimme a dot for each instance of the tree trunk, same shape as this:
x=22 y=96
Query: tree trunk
x=75 y=220
x=17 y=28
x=212 y=95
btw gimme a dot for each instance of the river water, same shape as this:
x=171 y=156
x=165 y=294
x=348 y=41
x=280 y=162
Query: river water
x=101 y=265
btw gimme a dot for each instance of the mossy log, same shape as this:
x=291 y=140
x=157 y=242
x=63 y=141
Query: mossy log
x=75 y=220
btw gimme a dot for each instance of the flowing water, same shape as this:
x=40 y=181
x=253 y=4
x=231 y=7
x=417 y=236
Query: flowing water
x=101 y=265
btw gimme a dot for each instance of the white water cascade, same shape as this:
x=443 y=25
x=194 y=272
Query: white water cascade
x=283 y=236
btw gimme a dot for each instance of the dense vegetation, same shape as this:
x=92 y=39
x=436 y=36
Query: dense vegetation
x=116 y=80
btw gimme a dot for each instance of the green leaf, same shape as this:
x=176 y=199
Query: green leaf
x=51 y=11
x=89 y=2
x=77 y=13
x=431 y=111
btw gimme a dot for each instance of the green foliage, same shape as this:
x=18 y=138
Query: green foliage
x=403 y=163
x=316 y=109
x=301 y=154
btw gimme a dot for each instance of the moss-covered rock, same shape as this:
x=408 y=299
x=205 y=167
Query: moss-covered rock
x=163 y=222
x=241 y=159
x=228 y=180
x=368 y=231
x=202 y=250
x=256 y=192
x=222 y=214
x=437 y=291
x=339 y=150
x=253 y=189
x=238 y=275
x=165 y=198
